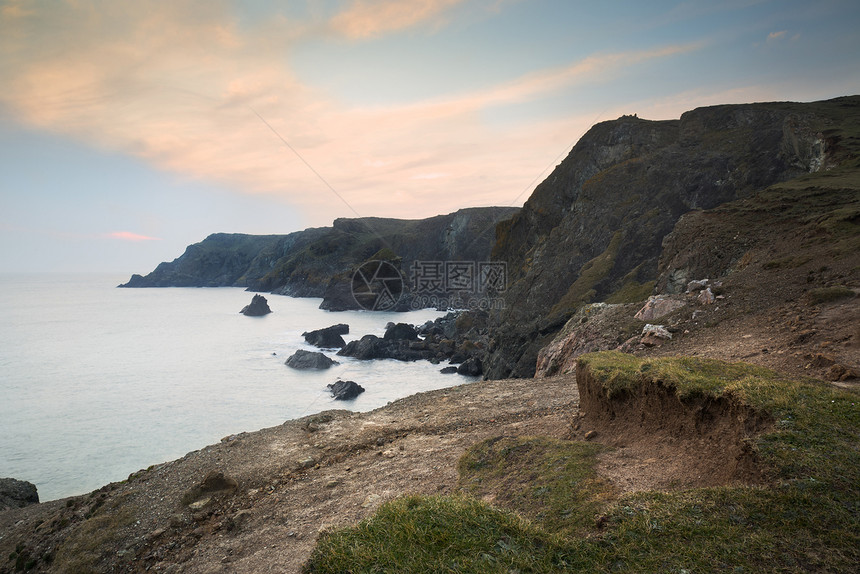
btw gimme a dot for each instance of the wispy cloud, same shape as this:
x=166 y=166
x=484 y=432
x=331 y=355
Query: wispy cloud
x=368 y=18
x=181 y=85
x=129 y=236
x=774 y=36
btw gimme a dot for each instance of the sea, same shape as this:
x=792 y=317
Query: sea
x=98 y=382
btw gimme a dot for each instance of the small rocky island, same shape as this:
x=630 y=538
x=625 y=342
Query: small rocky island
x=257 y=308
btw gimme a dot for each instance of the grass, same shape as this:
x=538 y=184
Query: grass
x=806 y=519
x=551 y=482
x=83 y=551
x=828 y=294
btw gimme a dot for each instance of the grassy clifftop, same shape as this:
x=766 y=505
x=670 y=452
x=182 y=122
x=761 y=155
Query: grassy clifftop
x=552 y=512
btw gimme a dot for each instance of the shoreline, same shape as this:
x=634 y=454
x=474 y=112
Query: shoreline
x=308 y=475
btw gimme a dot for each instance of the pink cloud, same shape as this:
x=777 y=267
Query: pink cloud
x=129 y=236
x=137 y=80
x=364 y=19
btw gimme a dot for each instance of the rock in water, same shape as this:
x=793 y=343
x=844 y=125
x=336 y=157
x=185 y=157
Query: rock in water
x=258 y=307
x=328 y=338
x=302 y=359
x=17 y=493
x=345 y=390
x=400 y=332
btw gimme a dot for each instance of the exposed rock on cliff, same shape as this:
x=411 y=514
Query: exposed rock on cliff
x=594 y=327
x=17 y=493
x=594 y=229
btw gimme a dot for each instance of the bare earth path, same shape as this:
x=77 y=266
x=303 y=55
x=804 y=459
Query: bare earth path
x=292 y=481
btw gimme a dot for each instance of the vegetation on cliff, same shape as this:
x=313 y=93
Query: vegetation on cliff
x=551 y=512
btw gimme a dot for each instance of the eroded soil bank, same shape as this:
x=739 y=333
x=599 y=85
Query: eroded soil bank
x=660 y=441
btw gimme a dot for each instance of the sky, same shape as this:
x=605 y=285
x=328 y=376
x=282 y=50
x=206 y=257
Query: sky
x=131 y=129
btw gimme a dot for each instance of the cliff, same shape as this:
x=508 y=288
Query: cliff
x=303 y=263
x=594 y=229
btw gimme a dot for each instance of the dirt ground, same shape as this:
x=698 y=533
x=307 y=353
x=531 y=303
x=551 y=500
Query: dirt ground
x=291 y=481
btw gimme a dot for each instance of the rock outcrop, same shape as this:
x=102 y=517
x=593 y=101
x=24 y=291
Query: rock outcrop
x=258 y=307
x=328 y=338
x=17 y=493
x=303 y=360
x=400 y=332
x=594 y=327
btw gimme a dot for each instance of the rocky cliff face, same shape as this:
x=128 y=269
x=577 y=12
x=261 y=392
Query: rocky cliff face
x=594 y=230
x=220 y=260
x=302 y=264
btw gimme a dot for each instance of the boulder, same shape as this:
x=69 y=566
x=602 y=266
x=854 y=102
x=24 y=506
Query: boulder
x=696 y=285
x=258 y=307
x=345 y=390
x=400 y=332
x=658 y=306
x=706 y=297
x=302 y=359
x=448 y=370
x=17 y=493
x=328 y=338
x=368 y=347
x=471 y=367
x=653 y=335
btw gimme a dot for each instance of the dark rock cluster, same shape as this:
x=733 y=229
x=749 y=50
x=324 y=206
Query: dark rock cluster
x=446 y=339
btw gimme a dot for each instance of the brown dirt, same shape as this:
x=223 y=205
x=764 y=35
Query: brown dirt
x=292 y=481
x=661 y=442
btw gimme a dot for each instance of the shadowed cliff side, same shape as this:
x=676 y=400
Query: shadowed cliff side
x=593 y=230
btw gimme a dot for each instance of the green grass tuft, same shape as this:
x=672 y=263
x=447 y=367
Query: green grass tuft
x=418 y=534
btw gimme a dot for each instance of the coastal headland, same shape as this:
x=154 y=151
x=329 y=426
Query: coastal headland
x=672 y=384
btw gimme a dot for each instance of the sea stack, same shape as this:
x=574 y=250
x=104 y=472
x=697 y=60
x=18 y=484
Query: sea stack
x=258 y=307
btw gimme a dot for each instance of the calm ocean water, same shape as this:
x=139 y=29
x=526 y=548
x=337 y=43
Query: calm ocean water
x=97 y=382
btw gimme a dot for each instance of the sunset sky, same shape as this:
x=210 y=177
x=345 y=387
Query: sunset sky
x=130 y=129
